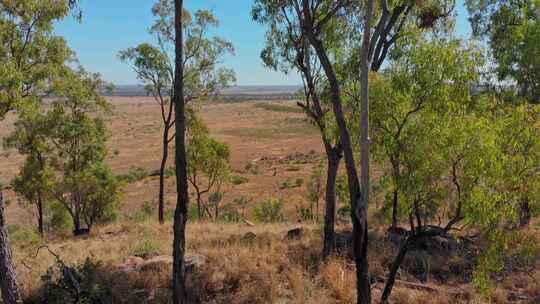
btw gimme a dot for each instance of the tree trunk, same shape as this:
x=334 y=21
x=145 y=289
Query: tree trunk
x=182 y=197
x=330 y=212
x=40 y=213
x=162 y=175
x=524 y=212
x=199 y=205
x=359 y=214
x=398 y=260
x=394 y=207
x=363 y=278
x=8 y=277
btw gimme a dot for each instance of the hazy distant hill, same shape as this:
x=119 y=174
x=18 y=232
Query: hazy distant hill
x=232 y=93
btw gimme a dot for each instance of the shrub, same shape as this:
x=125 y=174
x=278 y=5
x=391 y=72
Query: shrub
x=60 y=218
x=144 y=247
x=145 y=213
x=58 y=284
x=252 y=168
x=239 y=179
x=286 y=184
x=269 y=211
x=135 y=174
x=25 y=237
x=298 y=182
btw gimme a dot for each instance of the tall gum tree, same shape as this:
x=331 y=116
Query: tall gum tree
x=287 y=49
x=30 y=54
x=154 y=65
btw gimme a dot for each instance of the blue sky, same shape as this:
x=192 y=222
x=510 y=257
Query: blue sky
x=109 y=26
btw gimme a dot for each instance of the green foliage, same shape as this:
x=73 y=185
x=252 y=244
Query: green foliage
x=60 y=219
x=66 y=149
x=57 y=284
x=135 y=174
x=203 y=53
x=239 y=179
x=269 y=211
x=285 y=184
x=304 y=213
x=144 y=247
x=298 y=182
x=25 y=238
x=512 y=29
x=31 y=55
x=145 y=213
x=208 y=162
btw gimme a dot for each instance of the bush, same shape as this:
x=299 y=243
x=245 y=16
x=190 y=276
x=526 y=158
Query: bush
x=239 y=179
x=144 y=247
x=252 y=168
x=135 y=174
x=25 y=237
x=269 y=211
x=58 y=284
x=145 y=213
x=298 y=182
x=286 y=184
x=60 y=218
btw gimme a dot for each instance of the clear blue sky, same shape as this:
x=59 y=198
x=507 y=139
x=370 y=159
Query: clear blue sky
x=109 y=26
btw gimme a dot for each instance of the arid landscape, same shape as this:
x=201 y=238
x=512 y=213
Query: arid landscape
x=269 y=152
x=246 y=262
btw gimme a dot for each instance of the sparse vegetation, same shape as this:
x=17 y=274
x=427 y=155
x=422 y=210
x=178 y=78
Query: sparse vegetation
x=276 y=107
x=269 y=211
x=439 y=135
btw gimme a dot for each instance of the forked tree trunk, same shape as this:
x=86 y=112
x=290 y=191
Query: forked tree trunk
x=182 y=197
x=330 y=211
x=8 y=277
x=359 y=214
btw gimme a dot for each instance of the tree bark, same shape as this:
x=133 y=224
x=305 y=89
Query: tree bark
x=182 y=198
x=359 y=214
x=162 y=175
x=40 y=213
x=524 y=212
x=394 y=269
x=394 y=207
x=8 y=277
x=363 y=278
x=330 y=211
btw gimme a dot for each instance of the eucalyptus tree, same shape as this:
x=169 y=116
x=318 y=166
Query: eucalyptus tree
x=154 y=66
x=30 y=54
x=437 y=147
x=33 y=180
x=288 y=50
x=313 y=19
x=512 y=30
x=29 y=51
x=410 y=87
x=77 y=133
x=208 y=166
